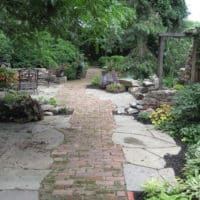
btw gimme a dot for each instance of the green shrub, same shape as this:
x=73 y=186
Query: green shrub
x=10 y=98
x=46 y=51
x=176 y=55
x=19 y=108
x=179 y=87
x=5 y=48
x=96 y=81
x=51 y=101
x=141 y=62
x=157 y=190
x=115 y=88
x=192 y=185
x=169 y=81
x=186 y=114
x=144 y=117
x=192 y=166
x=162 y=114
x=103 y=60
x=187 y=109
x=71 y=71
x=7 y=77
x=190 y=133
x=115 y=63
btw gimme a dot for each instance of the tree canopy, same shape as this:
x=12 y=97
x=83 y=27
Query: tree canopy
x=95 y=28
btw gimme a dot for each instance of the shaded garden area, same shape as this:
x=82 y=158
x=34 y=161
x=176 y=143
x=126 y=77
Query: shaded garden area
x=52 y=43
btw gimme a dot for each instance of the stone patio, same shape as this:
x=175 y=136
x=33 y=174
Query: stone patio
x=25 y=156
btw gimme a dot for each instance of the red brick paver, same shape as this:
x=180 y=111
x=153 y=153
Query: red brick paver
x=88 y=164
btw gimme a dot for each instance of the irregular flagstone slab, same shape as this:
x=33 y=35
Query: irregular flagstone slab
x=133 y=131
x=11 y=178
x=122 y=119
x=120 y=100
x=26 y=159
x=168 y=175
x=129 y=82
x=139 y=141
x=162 y=136
x=58 y=122
x=51 y=137
x=164 y=151
x=143 y=158
x=18 y=195
x=136 y=176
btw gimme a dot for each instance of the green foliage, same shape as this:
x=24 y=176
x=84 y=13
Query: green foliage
x=51 y=101
x=187 y=109
x=115 y=63
x=179 y=87
x=192 y=171
x=43 y=50
x=190 y=133
x=103 y=60
x=161 y=115
x=175 y=57
x=141 y=62
x=21 y=108
x=144 y=117
x=157 y=190
x=185 y=114
x=71 y=71
x=193 y=187
x=7 y=77
x=115 y=88
x=11 y=98
x=5 y=48
x=168 y=81
x=192 y=166
x=96 y=81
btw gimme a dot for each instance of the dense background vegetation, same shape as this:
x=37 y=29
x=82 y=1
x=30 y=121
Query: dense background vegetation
x=50 y=33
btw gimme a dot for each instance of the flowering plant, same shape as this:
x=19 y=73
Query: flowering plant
x=162 y=114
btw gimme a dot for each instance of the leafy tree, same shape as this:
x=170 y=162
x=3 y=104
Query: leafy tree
x=41 y=49
x=5 y=48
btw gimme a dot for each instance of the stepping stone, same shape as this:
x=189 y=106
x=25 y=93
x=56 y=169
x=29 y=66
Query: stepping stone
x=136 y=176
x=139 y=141
x=26 y=159
x=11 y=178
x=51 y=137
x=123 y=120
x=143 y=158
x=168 y=175
x=162 y=136
x=164 y=151
x=18 y=195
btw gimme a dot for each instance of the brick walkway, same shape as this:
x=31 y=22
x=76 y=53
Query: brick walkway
x=88 y=166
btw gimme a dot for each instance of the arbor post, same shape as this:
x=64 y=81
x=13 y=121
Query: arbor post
x=160 y=60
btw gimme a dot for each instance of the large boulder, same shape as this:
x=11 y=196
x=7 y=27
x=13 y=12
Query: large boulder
x=129 y=82
x=19 y=108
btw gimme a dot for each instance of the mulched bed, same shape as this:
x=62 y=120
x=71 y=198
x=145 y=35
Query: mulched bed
x=177 y=162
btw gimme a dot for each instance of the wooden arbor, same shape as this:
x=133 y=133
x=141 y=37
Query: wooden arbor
x=162 y=38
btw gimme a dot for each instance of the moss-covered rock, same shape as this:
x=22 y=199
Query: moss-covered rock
x=19 y=108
